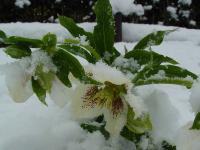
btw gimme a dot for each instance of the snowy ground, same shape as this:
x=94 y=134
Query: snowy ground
x=33 y=126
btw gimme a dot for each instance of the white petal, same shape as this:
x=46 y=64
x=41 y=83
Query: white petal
x=114 y=125
x=18 y=83
x=60 y=94
x=102 y=72
x=77 y=109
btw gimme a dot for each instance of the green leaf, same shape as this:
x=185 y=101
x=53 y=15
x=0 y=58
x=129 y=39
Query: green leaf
x=39 y=91
x=49 y=42
x=63 y=60
x=63 y=74
x=173 y=75
x=72 y=41
x=44 y=78
x=2 y=36
x=139 y=125
x=152 y=39
x=33 y=43
x=92 y=128
x=92 y=51
x=16 y=51
x=71 y=26
x=196 y=123
x=104 y=30
x=171 y=72
x=144 y=57
x=78 y=50
x=175 y=81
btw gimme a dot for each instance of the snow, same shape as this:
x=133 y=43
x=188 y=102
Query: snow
x=185 y=2
x=22 y=3
x=172 y=11
x=34 y=126
x=127 y=7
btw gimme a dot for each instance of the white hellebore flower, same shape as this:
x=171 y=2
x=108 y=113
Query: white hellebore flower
x=109 y=99
x=18 y=74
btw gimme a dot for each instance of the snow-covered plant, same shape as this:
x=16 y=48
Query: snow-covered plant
x=101 y=92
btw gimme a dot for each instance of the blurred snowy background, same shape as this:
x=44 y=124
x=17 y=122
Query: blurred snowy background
x=183 y=13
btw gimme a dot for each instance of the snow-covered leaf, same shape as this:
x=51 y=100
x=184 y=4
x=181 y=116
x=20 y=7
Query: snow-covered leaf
x=18 y=51
x=171 y=72
x=174 y=81
x=71 y=26
x=152 y=39
x=143 y=57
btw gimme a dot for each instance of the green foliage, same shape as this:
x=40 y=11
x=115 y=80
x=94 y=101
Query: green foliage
x=71 y=26
x=44 y=78
x=2 y=36
x=138 y=125
x=104 y=30
x=92 y=128
x=63 y=59
x=79 y=51
x=49 y=43
x=196 y=123
x=152 y=39
x=101 y=48
x=39 y=90
x=18 y=51
x=144 y=57
x=16 y=40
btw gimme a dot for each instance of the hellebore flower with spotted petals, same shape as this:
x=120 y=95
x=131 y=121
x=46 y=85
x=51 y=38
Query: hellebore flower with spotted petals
x=90 y=101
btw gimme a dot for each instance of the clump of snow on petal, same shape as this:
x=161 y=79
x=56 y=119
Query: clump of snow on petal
x=102 y=72
x=37 y=58
x=136 y=103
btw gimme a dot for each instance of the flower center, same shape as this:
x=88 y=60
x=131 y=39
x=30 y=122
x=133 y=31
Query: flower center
x=109 y=96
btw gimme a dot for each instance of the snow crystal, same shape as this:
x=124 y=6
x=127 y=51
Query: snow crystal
x=126 y=65
x=58 y=1
x=184 y=13
x=192 y=22
x=37 y=57
x=127 y=7
x=22 y=3
x=148 y=7
x=185 y=2
x=172 y=11
x=102 y=72
x=83 y=40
